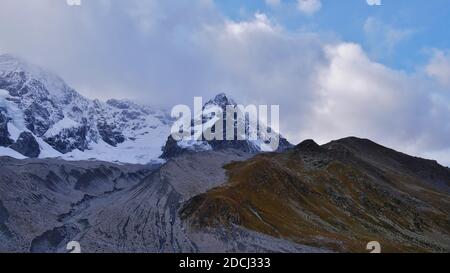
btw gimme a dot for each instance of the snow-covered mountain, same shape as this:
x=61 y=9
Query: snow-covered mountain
x=249 y=145
x=40 y=116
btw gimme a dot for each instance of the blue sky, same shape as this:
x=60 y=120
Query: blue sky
x=337 y=68
x=424 y=20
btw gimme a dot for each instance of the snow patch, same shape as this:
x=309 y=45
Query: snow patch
x=10 y=152
x=13 y=131
x=127 y=152
x=4 y=94
x=65 y=123
x=17 y=123
x=194 y=145
x=47 y=151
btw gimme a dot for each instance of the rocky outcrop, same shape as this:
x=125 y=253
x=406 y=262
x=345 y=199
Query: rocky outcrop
x=5 y=140
x=4 y=214
x=5 y=232
x=26 y=145
x=171 y=149
x=109 y=134
x=37 y=118
x=70 y=139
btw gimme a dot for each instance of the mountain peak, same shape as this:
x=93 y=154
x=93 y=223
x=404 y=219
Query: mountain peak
x=222 y=100
x=120 y=104
x=387 y=158
x=10 y=63
x=13 y=63
x=17 y=73
x=357 y=140
x=9 y=57
x=308 y=145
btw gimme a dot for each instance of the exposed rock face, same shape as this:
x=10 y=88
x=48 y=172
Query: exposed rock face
x=109 y=134
x=5 y=141
x=5 y=233
x=308 y=145
x=70 y=139
x=37 y=117
x=4 y=214
x=26 y=145
x=119 y=104
x=171 y=149
x=340 y=196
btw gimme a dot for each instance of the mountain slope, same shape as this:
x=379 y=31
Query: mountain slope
x=340 y=196
x=38 y=195
x=45 y=203
x=429 y=172
x=309 y=198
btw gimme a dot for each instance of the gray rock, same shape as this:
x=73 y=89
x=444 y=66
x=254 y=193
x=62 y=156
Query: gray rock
x=5 y=141
x=27 y=145
x=70 y=139
x=110 y=134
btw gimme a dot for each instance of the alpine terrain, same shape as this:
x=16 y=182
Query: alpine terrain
x=109 y=176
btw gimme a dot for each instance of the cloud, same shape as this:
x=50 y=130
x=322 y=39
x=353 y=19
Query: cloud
x=309 y=7
x=374 y=2
x=273 y=3
x=105 y=47
x=383 y=38
x=439 y=67
x=367 y=99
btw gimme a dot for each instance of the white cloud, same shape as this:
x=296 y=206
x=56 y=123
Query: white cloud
x=259 y=23
x=439 y=67
x=383 y=38
x=374 y=2
x=309 y=7
x=273 y=3
x=366 y=99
